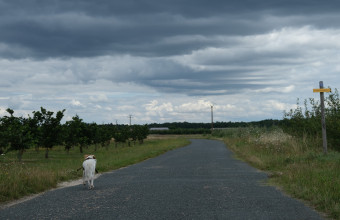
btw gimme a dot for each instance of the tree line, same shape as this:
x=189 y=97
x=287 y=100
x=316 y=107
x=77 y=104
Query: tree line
x=205 y=128
x=44 y=129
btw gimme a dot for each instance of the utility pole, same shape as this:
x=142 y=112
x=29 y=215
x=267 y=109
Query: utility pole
x=212 y=117
x=130 y=116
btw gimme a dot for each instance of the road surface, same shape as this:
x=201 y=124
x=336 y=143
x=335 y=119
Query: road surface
x=199 y=181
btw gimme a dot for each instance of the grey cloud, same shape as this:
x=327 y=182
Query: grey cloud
x=189 y=47
x=204 y=87
x=42 y=29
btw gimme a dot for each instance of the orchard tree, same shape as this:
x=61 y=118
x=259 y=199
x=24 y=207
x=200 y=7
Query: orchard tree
x=121 y=134
x=139 y=132
x=134 y=133
x=72 y=130
x=142 y=133
x=94 y=135
x=83 y=138
x=49 y=128
x=77 y=133
x=34 y=130
x=16 y=133
x=106 y=132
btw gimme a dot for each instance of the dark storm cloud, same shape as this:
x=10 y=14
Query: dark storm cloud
x=64 y=28
x=193 y=47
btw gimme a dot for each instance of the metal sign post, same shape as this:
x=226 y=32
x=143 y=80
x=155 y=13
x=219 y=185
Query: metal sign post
x=323 y=120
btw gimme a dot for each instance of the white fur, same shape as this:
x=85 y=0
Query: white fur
x=89 y=169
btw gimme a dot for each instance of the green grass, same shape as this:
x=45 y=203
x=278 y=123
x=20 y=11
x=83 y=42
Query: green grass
x=36 y=174
x=296 y=165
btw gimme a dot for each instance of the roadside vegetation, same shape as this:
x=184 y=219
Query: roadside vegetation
x=34 y=173
x=292 y=153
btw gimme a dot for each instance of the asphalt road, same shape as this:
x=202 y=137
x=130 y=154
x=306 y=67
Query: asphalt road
x=200 y=181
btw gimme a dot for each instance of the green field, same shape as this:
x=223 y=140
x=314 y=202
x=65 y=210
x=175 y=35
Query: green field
x=36 y=174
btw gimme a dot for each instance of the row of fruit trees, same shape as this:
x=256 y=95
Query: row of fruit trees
x=44 y=129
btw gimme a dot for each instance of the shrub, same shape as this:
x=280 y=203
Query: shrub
x=306 y=120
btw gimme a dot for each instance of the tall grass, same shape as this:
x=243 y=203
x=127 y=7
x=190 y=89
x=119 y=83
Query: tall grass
x=35 y=174
x=297 y=165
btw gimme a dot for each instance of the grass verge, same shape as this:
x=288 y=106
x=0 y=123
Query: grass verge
x=36 y=174
x=296 y=165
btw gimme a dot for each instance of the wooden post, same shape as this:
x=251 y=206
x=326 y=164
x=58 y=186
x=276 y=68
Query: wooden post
x=323 y=120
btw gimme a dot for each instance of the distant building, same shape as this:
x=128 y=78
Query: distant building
x=159 y=129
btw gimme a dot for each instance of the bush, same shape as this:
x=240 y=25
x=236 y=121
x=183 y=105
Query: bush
x=306 y=120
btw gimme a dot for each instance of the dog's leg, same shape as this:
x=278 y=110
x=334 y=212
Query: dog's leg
x=91 y=183
x=84 y=181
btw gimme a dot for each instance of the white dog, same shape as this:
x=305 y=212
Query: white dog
x=89 y=169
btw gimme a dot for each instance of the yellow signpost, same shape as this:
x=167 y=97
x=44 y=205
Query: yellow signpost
x=322 y=90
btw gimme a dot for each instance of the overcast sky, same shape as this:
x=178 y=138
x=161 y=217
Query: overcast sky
x=166 y=60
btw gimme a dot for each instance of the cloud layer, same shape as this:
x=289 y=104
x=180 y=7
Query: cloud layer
x=166 y=60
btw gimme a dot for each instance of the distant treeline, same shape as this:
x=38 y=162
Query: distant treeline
x=205 y=128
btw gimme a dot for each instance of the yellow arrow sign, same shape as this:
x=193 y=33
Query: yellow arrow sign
x=322 y=90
